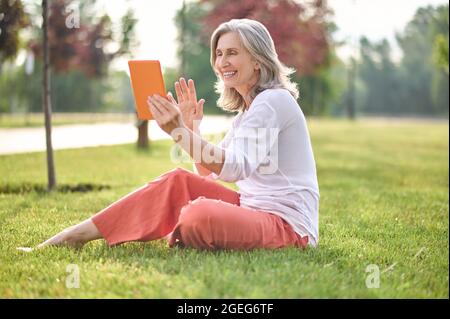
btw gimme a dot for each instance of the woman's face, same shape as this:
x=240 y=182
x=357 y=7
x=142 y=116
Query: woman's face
x=236 y=67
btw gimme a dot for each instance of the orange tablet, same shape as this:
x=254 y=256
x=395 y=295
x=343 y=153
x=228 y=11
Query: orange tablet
x=146 y=79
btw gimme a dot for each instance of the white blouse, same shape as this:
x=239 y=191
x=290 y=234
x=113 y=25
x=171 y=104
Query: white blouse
x=268 y=155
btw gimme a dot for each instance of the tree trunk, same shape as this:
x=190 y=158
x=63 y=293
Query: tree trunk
x=47 y=101
x=351 y=89
x=142 y=142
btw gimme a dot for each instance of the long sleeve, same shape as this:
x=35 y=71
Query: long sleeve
x=251 y=143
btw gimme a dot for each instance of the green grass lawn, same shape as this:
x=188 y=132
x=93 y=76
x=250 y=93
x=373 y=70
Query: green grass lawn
x=384 y=202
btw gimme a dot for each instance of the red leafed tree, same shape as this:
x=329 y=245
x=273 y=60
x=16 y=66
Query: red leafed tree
x=83 y=46
x=299 y=30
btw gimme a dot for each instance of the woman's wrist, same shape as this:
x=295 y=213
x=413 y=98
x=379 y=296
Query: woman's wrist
x=196 y=130
x=196 y=127
x=180 y=133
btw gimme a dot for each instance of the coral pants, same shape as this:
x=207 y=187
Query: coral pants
x=194 y=211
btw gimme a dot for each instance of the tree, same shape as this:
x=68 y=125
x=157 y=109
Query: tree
x=12 y=20
x=440 y=51
x=427 y=85
x=83 y=45
x=440 y=27
x=69 y=45
x=414 y=84
x=350 y=101
x=380 y=76
x=46 y=99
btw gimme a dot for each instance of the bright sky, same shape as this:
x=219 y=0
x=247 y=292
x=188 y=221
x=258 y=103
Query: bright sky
x=375 y=19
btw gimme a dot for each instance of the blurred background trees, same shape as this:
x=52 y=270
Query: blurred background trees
x=406 y=78
x=82 y=47
x=416 y=83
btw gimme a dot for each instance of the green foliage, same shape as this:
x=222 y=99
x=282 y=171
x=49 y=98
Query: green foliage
x=440 y=51
x=15 y=84
x=79 y=59
x=320 y=92
x=72 y=91
x=194 y=51
x=427 y=86
x=128 y=40
x=384 y=201
x=381 y=76
x=117 y=96
x=12 y=20
x=414 y=85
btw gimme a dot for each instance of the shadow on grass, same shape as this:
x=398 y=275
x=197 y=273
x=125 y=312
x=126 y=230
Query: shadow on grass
x=40 y=188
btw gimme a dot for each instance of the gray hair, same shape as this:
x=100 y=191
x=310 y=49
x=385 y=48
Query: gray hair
x=256 y=39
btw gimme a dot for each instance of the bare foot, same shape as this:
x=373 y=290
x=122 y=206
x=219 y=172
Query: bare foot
x=75 y=236
x=45 y=244
x=31 y=249
x=57 y=240
x=61 y=239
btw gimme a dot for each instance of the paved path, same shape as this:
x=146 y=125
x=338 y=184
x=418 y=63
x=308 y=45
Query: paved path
x=24 y=140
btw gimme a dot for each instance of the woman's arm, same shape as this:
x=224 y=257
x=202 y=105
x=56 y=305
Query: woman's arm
x=208 y=158
x=200 y=170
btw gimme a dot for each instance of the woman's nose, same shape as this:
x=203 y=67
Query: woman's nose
x=223 y=63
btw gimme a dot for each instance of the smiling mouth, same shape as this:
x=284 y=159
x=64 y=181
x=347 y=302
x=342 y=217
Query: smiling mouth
x=228 y=75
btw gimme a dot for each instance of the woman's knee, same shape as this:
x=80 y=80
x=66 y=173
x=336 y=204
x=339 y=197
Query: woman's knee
x=173 y=175
x=196 y=223
x=178 y=171
x=195 y=212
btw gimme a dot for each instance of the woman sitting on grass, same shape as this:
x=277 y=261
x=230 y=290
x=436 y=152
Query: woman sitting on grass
x=267 y=152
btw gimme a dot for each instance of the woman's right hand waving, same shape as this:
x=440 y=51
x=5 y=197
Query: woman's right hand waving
x=191 y=109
